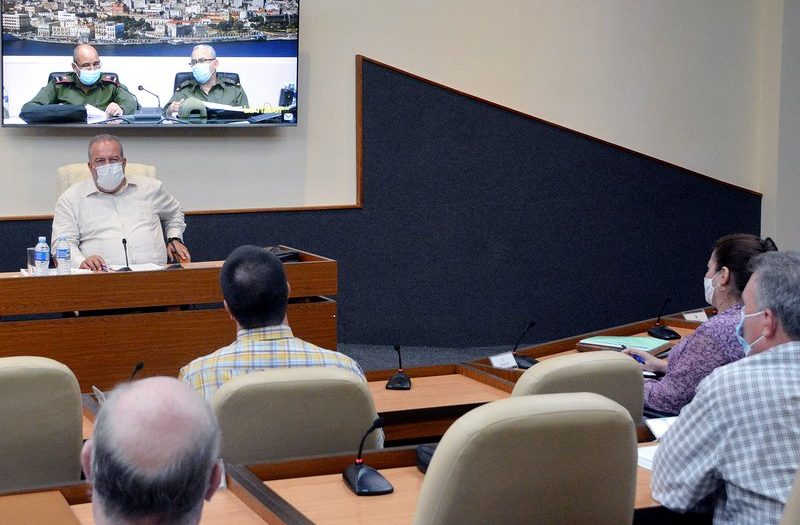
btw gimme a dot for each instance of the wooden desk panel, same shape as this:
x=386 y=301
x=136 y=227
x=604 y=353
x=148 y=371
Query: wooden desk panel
x=103 y=349
x=326 y=500
x=312 y=489
x=195 y=283
x=72 y=504
x=439 y=395
x=433 y=391
x=224 y=508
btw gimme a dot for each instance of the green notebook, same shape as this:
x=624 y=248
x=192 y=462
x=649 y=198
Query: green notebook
x=614 y=342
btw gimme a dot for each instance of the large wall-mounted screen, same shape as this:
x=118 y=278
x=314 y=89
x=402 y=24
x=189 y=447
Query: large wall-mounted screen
x=150 y=62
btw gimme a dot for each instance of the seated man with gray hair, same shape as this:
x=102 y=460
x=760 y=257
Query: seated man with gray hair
x=153 y=456
x=205 y=85
x=735 y=446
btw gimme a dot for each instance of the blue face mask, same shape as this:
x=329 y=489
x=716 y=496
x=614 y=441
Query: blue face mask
x=201 y=72
x=748 y=347
x=89 y=77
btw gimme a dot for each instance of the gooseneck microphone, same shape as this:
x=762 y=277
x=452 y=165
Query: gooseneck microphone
x=663 y=332
x=362 y=479
x=158 y=99
x=100 y=396
x=400 y=380
x=127 y=267
x=136 y=370
x=524 y=362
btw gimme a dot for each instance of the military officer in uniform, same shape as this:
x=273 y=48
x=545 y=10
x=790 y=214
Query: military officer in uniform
x=205 y=85
x=86 y=85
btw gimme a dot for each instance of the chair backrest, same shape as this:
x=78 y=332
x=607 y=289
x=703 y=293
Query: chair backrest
x=42 y=429
x=534 y=459
x=71 y=174
x=791 y=512
x=293 y=412
x=612 y=374
x=183 y=76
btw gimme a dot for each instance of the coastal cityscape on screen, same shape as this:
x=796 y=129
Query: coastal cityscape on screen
x=149 y=21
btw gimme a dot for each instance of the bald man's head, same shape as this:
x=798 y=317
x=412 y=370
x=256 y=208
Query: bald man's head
x=153 y=454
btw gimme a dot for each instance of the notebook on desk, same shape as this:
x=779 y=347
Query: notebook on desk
x=614 y=342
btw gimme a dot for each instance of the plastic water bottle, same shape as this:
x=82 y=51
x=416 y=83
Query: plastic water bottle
x=63 y=256
x=42 y=257
x=5 y=103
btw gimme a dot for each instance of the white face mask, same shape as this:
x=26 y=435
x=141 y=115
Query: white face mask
x=708 y=285
x=110 y=176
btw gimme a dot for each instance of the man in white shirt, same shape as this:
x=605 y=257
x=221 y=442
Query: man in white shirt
x=97 y=214
x=736 y=446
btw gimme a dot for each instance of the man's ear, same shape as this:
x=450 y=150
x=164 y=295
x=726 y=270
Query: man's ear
x=87 y=452
x=213 y=484
x=227 y=309
x=771 y=324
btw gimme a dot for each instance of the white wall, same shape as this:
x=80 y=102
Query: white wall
x=784 y=187
x=693 y=82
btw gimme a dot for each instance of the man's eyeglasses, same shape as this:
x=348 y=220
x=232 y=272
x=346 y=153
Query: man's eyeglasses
x=196 y=61
x=102 y=162
x=90 y=66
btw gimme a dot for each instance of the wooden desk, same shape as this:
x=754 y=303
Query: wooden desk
x=103 y=349
x=568 y=345
x=71 y=505
x=311 y=490
x=439 y=395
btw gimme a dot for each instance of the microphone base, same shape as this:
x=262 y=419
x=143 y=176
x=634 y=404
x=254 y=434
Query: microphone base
x=524 y=362
x=663 y=332
x=125 y=269
x=399 y=381
x=364 y=480
x=147 y=115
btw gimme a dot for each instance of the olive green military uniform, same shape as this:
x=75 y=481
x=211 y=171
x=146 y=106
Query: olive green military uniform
x=64 y=89
x=225 y=91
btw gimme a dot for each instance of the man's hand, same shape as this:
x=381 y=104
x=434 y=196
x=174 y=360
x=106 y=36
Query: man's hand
x=173 y=108
x=177 y=251
x=94 y=263
x=651 y=362
x=113 y=110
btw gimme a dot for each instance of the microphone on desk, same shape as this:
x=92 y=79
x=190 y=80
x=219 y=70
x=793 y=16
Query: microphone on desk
x=362 y=479
x=127 y=267
x=158 y=99
x=524 y=362
x=100 y=396
x=663 y=332
x=136 y=370
x=399 y=381
x=147 y=114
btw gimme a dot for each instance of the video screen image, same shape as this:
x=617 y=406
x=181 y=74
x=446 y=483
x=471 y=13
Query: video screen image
x=149 y=62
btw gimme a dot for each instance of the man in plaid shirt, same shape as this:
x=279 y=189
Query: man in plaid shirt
x=736 y=446
x=256 y=294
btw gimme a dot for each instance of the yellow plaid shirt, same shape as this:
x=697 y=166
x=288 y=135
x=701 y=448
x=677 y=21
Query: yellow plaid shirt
x=259 y=349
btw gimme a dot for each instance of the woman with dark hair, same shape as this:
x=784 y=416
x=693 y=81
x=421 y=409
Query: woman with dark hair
x=714 y=342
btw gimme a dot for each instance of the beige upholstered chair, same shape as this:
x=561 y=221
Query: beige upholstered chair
x=534 y=459
x=73 y=173
x=41 y=433
x=294 y=412
x=791 y=513
x=612 y=374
